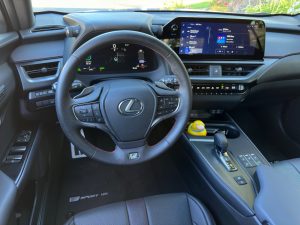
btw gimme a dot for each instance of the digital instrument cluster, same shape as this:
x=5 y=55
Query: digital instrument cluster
x=196 y=38
x=118 y=58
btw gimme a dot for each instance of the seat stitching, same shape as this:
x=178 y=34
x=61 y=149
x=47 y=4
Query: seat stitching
x=187 y=199
x=202 y=210
x=127 y=212
x=294 y=167
x=73 y=220
x=146 y=210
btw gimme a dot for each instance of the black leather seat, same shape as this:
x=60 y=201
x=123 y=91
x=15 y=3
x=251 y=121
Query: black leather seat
x=169 y=209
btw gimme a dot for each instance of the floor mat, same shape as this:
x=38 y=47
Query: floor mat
x=87 y=184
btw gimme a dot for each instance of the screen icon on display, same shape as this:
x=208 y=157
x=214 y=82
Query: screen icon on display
x=221 y=40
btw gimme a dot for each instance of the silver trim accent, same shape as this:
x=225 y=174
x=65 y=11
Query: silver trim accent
x=227 y=162
x=206 y=140
x=128 y=111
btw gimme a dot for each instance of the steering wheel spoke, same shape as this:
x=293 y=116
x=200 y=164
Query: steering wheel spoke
x=132 y=150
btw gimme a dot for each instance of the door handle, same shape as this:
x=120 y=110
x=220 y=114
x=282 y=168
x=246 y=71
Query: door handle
x=2 y=96
x=2 y=91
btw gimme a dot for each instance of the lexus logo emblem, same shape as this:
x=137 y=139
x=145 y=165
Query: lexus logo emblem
x=131 y=107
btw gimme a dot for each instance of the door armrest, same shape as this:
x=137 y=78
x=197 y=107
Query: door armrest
x=8 y=192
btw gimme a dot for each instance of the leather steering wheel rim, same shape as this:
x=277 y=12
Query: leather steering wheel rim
x=122 y=156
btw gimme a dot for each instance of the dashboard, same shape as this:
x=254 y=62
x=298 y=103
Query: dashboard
x=190 y=38
x=230 y=58
x=118 y=58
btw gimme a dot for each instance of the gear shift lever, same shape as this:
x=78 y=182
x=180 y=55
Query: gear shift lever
x=221 y=142
x=221 y=145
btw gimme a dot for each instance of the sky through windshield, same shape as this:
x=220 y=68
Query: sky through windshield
x=235 y=6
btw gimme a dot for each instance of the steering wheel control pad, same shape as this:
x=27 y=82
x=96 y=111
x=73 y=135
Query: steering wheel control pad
x=167 y=105
x=129 y=107
x=89 y=113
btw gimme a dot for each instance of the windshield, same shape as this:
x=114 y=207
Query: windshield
x=226 y=6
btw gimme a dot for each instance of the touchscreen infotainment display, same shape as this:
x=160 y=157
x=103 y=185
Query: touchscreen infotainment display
x=218 y=39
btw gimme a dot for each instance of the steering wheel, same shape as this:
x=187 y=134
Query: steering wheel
x=127 y=109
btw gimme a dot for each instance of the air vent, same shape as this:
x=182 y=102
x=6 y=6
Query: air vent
x=238 y=69
x=47 y=28
x=42 y=69
x=197 y=69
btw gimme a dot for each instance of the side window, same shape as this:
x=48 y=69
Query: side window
x=3 y=26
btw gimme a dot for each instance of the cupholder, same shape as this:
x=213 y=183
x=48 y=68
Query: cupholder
x=230 y=130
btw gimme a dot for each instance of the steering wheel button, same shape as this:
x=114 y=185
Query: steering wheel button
x=99 y=119
x=83 y=111
x=91 y=120
x=161 y=107
x=160 y=113
x=96 y=110
x=161 y=100
x=87 y=119
x=174 y=108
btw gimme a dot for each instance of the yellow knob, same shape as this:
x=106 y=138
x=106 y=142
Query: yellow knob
x=197 y=128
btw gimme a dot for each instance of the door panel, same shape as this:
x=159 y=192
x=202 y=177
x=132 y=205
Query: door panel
x=8 y=102
x=8 y=115
x=8 y=112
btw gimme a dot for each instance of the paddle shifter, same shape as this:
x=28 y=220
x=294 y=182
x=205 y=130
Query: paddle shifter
x=221 y=145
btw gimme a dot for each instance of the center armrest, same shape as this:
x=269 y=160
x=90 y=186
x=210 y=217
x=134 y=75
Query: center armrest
x=278 y=201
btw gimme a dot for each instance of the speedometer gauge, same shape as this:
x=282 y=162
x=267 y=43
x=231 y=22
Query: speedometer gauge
x=118 y=55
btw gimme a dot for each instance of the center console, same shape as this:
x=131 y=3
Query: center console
x=227 y=160
x=223 y=57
